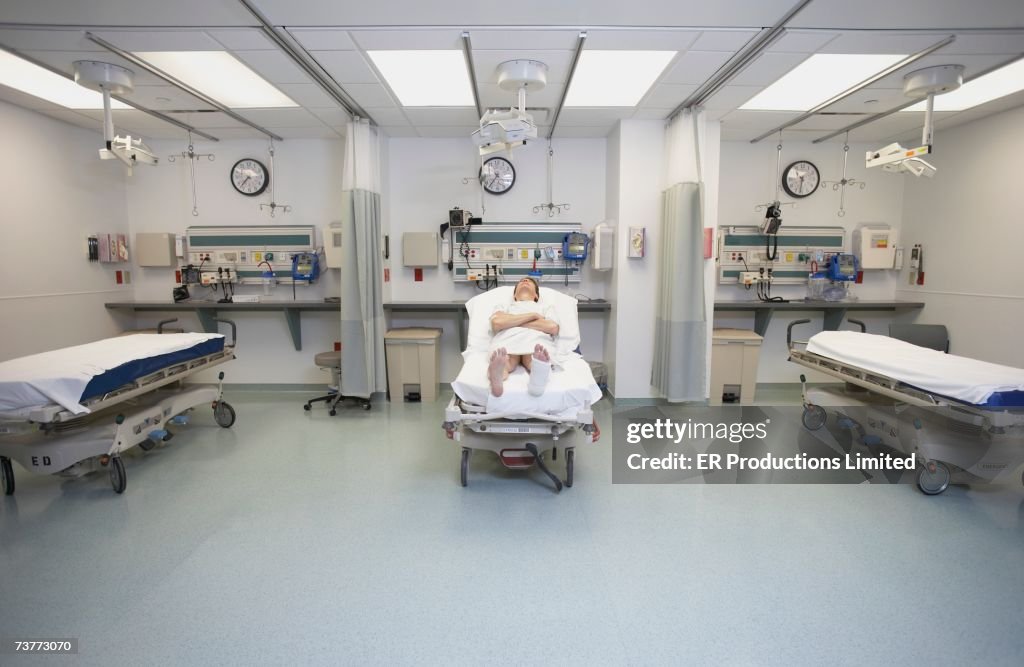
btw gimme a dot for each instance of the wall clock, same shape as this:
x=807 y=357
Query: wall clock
x=250 y=177
x=800 y=179
x=497 y=175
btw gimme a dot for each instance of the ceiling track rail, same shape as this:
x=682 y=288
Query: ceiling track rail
x=740 y=60
x=895 y=67
x=883 y=114
x=467 y=53
x=135 y=105
x=180 y=85
x=581 y=39
x=306 y=62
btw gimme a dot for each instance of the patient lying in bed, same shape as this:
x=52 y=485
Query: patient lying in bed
x=522 y=332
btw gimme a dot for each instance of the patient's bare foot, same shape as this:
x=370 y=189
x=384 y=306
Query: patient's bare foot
x=496 y=371
x=541 y=354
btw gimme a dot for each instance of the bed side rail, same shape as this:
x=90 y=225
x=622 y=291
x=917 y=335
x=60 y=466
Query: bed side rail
x=234 y=329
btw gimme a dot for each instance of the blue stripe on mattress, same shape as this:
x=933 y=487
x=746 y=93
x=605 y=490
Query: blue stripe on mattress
x=1004 y=399
x=133 y=370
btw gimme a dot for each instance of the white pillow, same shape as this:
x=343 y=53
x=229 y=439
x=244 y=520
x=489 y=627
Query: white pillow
x=482 y=306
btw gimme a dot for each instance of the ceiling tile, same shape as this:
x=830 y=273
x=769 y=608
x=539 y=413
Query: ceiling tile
x=335 y=117
x=731 y=97
x=973 y=64
x=388 y=116
x=383 y=40
x=802 y=41
x=400 y=131
x=281 y=117
x=652 y=113
x=320 y=132
x=346 y=66
x=540 y=40
x=486 y=63
x=48 y=40
x=723 y=40
x=214 y=119
x=768 y=68
x=307 y=95
x=986 y=43
x=424 y=116
x=242 y=39
x=593 y=117
x=274 y=66
x=161 y=40
x=64 y=61
x=323 y=39
x=667 y=95
x=695 y=67
x=875 y=42
x=370 y=95
x=166 y=98
x=642 y=40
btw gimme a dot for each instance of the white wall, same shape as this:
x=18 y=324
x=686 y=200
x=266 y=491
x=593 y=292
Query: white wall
x=308 y=177
x=748 y=179
x=968 y=220
x=424 y=180
x=56 y=192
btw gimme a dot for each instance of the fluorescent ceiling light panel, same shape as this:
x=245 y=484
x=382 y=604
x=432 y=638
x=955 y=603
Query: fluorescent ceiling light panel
x=42 y=83
x=221 y=76
x=615 y=78
x=819 y=78
x=426 y=78
x=1000 y=83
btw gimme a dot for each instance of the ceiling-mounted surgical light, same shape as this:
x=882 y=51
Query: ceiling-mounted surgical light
x=110 y=80
x=928 y=83
x=503 y=130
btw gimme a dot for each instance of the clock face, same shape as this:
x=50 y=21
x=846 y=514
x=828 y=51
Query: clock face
x=250 y=177
x=497 y=175
x=800 y=179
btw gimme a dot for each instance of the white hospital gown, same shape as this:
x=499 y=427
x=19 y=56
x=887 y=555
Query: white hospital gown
x=522 y=340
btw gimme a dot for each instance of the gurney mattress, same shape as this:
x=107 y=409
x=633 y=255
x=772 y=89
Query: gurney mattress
x=570 y=388
x=71 y=375
x=960 y=378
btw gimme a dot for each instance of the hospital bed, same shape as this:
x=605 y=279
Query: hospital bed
x=71 y=410
x=523 y=429
x=956 y=414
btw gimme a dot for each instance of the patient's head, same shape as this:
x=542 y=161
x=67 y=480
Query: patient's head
x=527 y=290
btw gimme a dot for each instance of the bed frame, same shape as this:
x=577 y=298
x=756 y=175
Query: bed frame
x=53 y=440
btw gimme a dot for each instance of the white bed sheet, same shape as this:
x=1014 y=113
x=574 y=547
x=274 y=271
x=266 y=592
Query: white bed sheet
x=60 y=376
x=961 y=378
x=568 y=390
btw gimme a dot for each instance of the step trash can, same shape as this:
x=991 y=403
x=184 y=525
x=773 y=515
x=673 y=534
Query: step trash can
x=413 y=357
x=735 y=354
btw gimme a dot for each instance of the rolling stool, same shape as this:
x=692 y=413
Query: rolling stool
x=332 y=361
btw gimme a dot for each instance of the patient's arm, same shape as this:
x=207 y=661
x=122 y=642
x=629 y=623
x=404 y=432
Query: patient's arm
x=502 y=320
x=543 y=325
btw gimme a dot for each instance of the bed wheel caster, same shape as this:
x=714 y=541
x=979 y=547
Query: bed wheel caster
x=118 y=478
x=465 y=466
x=366 y=406
x=570 y=464
x=7 y=472
x=933 y=478
x=224 y=414
x=814 y=417
x=332 y=412
x=307 y=407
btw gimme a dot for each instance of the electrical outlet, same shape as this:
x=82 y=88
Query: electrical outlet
x=749 y=277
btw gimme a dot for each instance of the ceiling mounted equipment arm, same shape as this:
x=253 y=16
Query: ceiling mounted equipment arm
x=884 y=114
x=180 y=85
x=739 y=61
x=580 y=40
x=307 y=63
x=119 y=98
x=858 y=87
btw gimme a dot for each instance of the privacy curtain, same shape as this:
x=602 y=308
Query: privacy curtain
x=362 y=315
x=680 y=335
